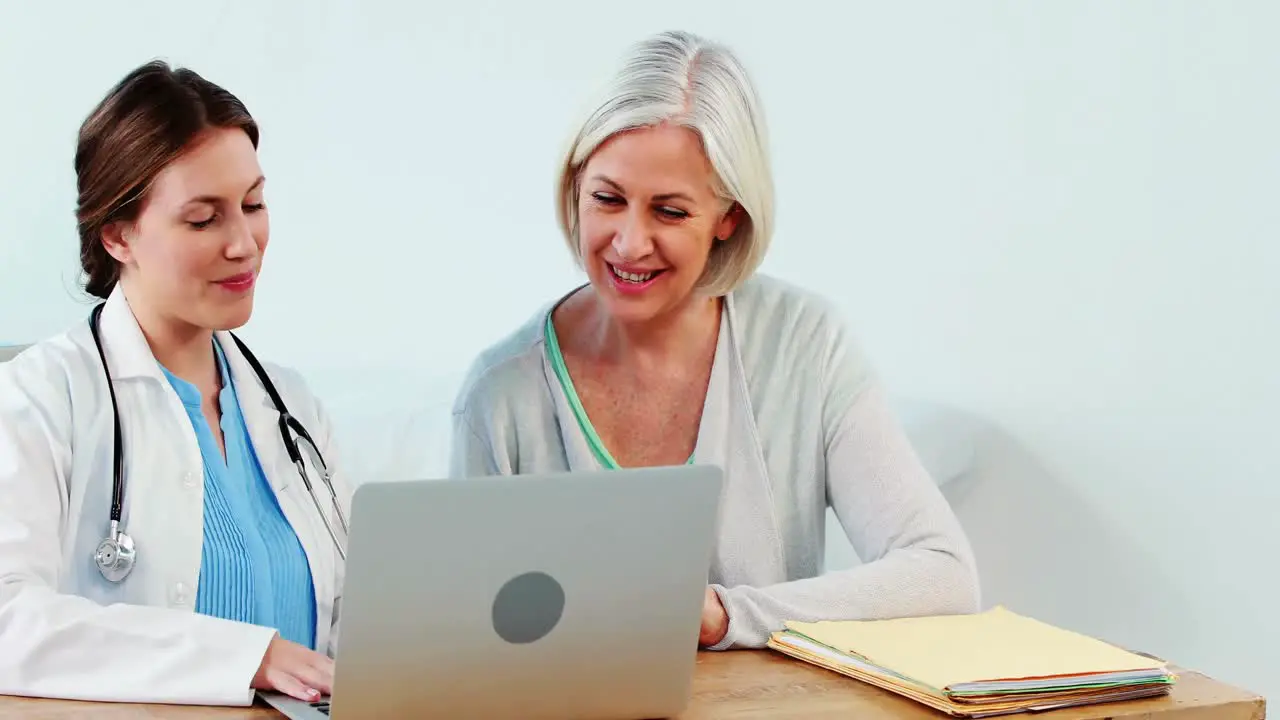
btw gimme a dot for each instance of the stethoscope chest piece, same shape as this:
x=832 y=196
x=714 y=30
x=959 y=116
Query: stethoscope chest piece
x=116 y=556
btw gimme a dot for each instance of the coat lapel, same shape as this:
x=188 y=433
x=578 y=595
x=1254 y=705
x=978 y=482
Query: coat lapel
x=263 y=422
x=128 y=354
x=578 y=456
x=748 y=550
x=260 y=417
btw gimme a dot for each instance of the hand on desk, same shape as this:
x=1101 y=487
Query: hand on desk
x=715 y=621
x=294 y=670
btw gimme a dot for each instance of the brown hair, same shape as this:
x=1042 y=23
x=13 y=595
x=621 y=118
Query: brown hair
x=144 y=123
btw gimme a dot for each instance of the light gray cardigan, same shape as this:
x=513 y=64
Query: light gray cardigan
x=796 y=419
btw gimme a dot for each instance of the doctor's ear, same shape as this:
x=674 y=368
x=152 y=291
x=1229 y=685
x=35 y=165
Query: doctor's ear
x=116 y=239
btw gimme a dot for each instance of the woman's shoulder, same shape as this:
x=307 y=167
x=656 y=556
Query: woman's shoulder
x=768 y=307
x=507 y=371
x=768 y=299
x=790 y=333
x=292 y=383
x=45 y=384
x=298 y=393
x=53 y=361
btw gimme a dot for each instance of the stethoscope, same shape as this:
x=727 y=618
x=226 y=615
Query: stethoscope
x=117 y=554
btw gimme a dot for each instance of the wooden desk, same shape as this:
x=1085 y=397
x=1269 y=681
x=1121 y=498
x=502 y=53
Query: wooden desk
x=757 y=685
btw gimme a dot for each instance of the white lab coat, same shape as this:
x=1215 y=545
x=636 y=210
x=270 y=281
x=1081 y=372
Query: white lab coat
x=65 y=631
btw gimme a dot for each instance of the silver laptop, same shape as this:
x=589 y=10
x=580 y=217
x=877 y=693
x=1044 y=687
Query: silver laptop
x=535 y=596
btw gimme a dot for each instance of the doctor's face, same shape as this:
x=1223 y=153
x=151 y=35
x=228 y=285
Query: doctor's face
x=194 y=252
x=648 y=216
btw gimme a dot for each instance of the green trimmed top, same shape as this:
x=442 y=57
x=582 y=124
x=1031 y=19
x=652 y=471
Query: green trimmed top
x=579 y=412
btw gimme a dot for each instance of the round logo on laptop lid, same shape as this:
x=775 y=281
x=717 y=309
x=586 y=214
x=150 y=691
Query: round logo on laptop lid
x=528 y=607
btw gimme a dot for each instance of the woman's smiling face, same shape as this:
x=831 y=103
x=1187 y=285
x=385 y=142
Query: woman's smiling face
x=648 y=215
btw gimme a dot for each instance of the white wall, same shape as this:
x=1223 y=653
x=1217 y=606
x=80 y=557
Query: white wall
x=1056 y=218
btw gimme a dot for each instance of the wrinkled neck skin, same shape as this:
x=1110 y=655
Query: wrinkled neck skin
x=681 y=336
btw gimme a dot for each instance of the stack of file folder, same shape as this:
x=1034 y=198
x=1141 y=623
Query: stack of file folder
x=990 y=663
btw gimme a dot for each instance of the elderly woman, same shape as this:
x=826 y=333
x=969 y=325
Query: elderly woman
x=677 y=351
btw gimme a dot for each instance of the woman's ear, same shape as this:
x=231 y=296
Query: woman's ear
x=116 y=238
x=729 y=222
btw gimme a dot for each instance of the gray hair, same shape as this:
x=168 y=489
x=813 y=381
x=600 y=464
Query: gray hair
x=683 y=79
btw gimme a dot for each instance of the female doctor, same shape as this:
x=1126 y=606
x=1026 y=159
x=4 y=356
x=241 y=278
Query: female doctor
x=675 y=351
x=157 y=543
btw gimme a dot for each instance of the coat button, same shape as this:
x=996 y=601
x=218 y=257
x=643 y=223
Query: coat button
x=180 y=595
x=189 y=480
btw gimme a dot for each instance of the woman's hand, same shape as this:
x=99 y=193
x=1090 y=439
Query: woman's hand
x=715 y=621
x=295 y=671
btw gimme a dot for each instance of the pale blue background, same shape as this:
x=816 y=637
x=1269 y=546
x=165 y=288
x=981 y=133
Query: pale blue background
x=1058 y=219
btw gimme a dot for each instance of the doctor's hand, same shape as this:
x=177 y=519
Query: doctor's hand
x=294 y=670
x=715 y=621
